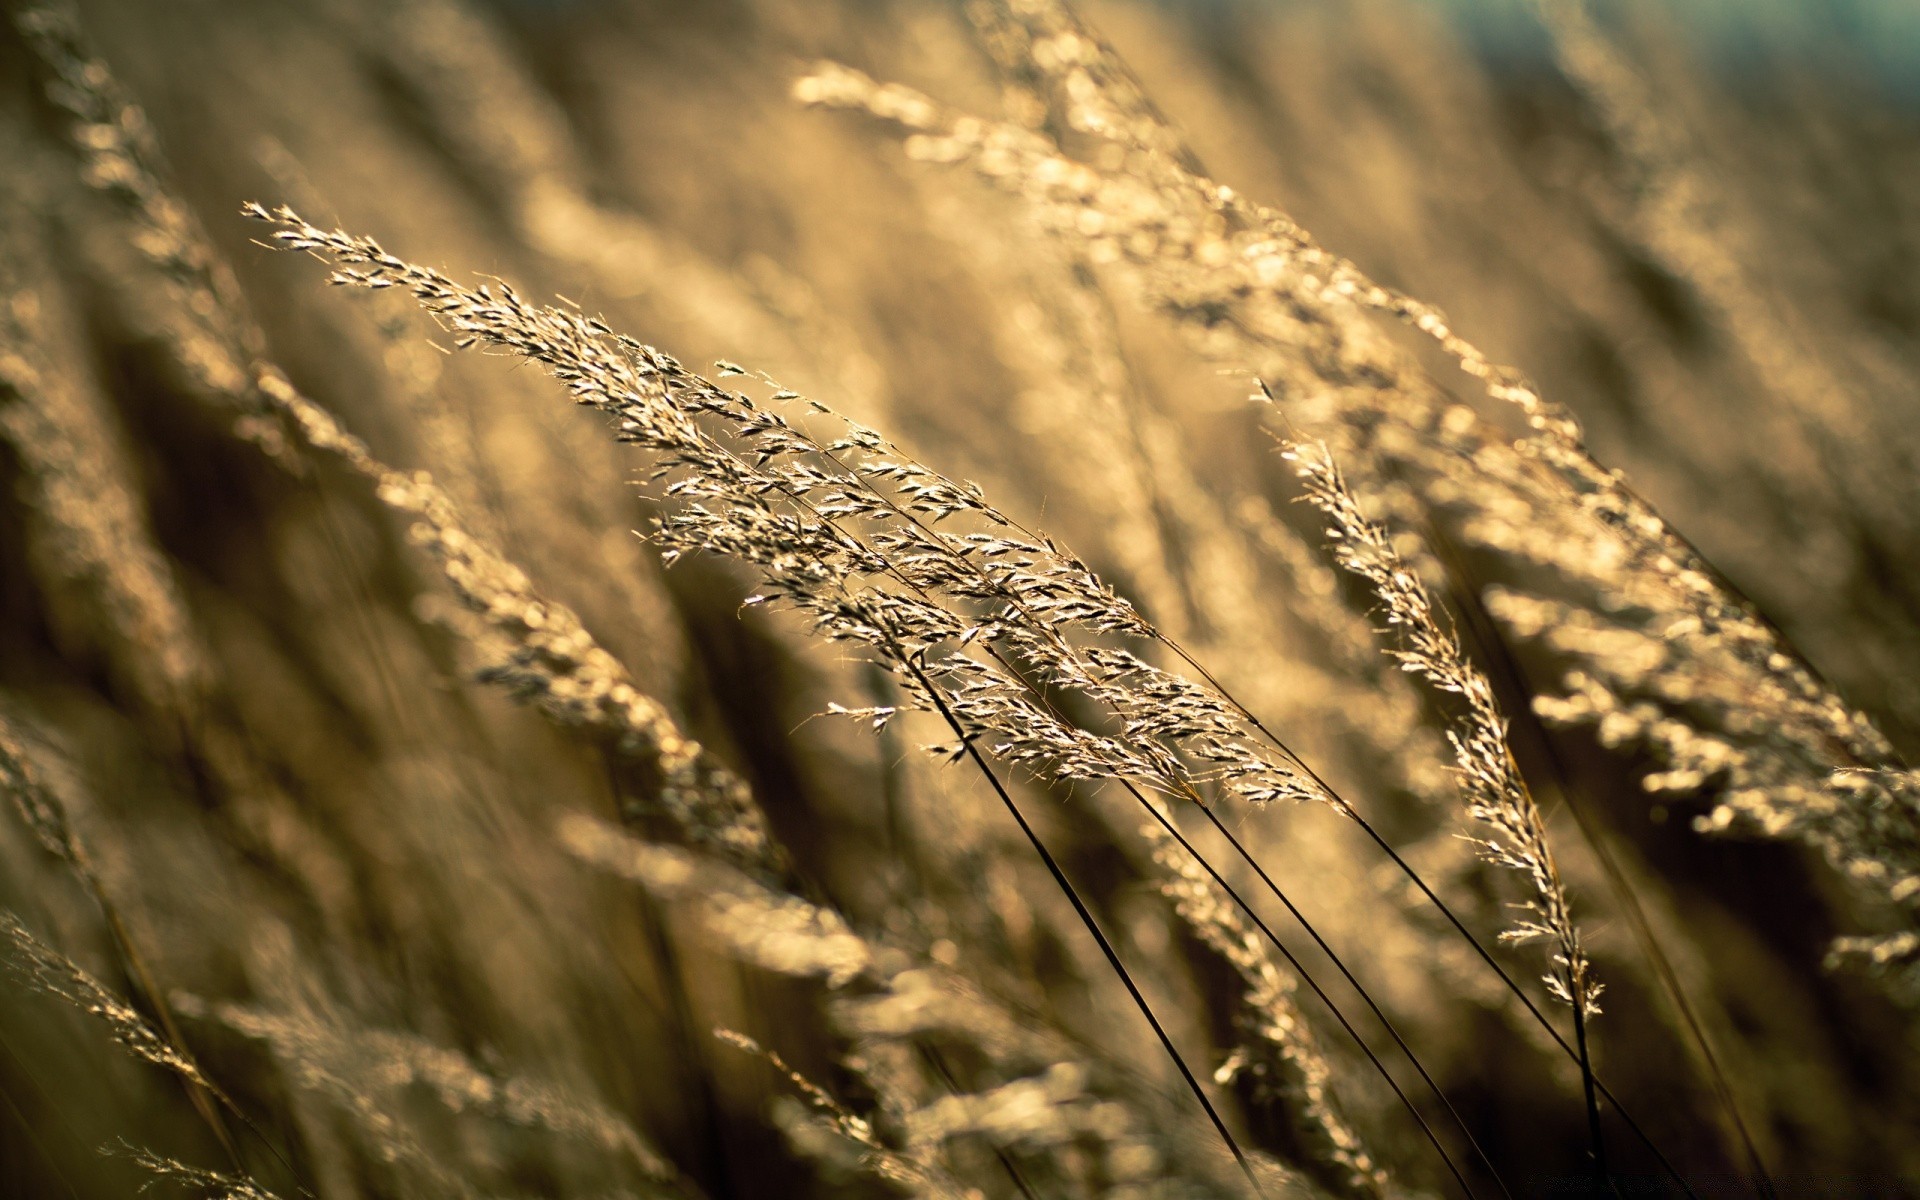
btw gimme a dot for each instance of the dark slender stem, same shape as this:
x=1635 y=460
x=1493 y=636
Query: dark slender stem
x=1487 y=636
x=1365 y=996
x=1440 y=905
x=1601 y=1175
x=1307 y=977
x=1526 y=1000
x=1298 y=967
x=207 y=1097
x=1219 y=688
x=972 y=752
x=1341 y=805
x=1086 y=919
x=939 y=1066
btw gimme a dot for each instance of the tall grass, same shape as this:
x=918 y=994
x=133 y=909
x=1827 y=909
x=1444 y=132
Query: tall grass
x=1109 y=826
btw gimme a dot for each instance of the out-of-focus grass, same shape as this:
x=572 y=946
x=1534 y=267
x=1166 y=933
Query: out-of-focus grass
x=272 y=683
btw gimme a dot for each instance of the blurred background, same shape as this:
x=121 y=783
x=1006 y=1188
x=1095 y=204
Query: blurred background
x=332 y=846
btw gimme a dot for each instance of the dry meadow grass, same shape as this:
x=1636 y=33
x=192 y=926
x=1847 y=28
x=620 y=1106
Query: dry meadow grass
x=922 y=600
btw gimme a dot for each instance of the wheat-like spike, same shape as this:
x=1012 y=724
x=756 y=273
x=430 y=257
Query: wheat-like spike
x=920 y=486
x=1208 y=247
x=1497 y=796
x=537 y=648
x=917 y=1177
x=1047 y=41
x=45 y=816
x=1297 y=313
x=90 y=525
x=40 y=810
x=1194 y=559
x=205 y=1184
x=547 y=655
x=847 y=531
x=43 y=969
x=204 y=326
x=856 y=536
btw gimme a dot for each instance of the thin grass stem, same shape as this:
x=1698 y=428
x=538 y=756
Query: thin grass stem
x=1087 y=919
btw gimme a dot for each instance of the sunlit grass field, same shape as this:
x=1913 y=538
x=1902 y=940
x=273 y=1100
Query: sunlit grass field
x=1008 y=599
